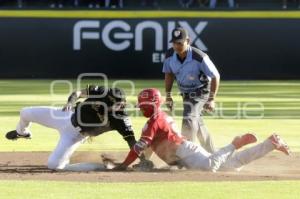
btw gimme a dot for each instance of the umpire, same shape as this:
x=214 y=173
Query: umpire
x=198 y=81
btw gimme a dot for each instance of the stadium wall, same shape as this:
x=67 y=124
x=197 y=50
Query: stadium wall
x=131 y=44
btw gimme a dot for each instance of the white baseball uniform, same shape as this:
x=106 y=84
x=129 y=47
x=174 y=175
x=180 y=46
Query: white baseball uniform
x=164 y=140
x=70 y=137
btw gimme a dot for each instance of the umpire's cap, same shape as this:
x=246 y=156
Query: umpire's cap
x=179 y=34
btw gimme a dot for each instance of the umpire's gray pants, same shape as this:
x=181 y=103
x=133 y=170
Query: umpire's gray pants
x=193 y=127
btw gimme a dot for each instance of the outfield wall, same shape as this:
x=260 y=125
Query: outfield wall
x=128 y=44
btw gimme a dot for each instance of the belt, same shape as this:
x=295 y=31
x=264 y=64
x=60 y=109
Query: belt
x=75 y=123
x=194 y=94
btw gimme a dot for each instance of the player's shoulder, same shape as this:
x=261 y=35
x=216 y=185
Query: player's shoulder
x=162 y=118
x=197 y=54
x=169 y=53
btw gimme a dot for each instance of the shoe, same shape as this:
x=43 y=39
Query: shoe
x=279 y=144
x=13 y=135
x=243 y=140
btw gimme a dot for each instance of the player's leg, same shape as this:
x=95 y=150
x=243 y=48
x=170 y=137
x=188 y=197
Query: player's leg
x=67 y=144
x=220 y=157
x=193 y=127
x=70 y=140
x=189 y=128
x=195 y=157
x=189 y=125
x=192 y=156
x=47 y=116
x=241 y=158
x=60 y=158
x=204 y=136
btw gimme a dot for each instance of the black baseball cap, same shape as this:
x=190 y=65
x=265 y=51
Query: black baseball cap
x=179 y=35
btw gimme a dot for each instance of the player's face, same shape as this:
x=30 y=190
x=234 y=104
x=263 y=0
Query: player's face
x=180 y=47
x=147 y=109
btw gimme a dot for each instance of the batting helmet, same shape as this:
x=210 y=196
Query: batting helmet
x=149 y=101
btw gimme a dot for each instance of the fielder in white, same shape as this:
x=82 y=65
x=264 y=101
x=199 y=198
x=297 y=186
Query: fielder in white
x=102 y=111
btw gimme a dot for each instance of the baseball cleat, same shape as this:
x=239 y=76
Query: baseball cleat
x=243 y=140
x=14 y=135
x=280 y=144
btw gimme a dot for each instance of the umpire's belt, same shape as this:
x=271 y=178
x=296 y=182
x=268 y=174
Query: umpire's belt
x=75 y=123
x=195 y=94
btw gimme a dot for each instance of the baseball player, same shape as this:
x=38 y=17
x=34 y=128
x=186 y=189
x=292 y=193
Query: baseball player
x=198 y=81
x=159 y=134
x=102 y=111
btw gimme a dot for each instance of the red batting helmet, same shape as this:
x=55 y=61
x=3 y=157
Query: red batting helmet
x=149 y=101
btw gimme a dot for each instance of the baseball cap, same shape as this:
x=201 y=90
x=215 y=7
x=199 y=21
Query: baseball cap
x=179 y=35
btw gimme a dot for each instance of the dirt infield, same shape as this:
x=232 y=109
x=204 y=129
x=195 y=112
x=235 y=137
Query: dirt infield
x=32 y=166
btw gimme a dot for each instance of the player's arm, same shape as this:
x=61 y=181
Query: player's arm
x=210 y=70
x=133 y=154
x=138 y=148
x=122 y=123
x=169 y=80
x=214 y=87
x=73 y=98
x=90 y=90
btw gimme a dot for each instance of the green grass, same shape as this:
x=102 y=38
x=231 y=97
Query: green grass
x=281 y=101
x=207 y=190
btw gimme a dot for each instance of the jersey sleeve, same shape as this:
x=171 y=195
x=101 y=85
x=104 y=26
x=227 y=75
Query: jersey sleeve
x=166 y=66
x=148 y=133
x=144 y=142
x=208 y=68
x=122 y=123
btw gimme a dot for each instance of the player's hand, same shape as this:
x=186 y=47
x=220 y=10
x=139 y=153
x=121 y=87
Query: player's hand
x=169 y=103
x=111 y=164
x=67 y=107
x=209 y=106
x=120 y=167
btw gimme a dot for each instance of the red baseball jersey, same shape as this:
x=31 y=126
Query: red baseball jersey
x=161 y=135
x=158 y=129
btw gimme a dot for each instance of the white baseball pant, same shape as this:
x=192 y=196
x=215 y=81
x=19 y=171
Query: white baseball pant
x=193 y=156
x=70 y=137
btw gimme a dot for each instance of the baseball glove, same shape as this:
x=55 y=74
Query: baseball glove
x=144 y=165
